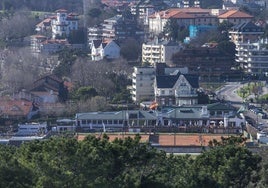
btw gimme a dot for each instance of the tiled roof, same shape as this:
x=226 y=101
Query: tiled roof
x=180 y=13
x=12 y=107
x=234 y=14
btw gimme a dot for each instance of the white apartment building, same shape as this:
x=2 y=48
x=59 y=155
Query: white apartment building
x=63 y=23
x=142 y=83
x=156 y=52
x=253 y=57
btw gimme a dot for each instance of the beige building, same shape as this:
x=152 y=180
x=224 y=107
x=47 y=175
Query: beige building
x=156 y=52
x=245 y=32
x=183 y=16
x=235 y=17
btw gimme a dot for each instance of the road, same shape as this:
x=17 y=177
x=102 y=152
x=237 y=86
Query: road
x=228 y=93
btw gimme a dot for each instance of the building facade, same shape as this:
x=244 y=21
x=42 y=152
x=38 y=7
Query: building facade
x=142 y=84
x=176 y=89
x=245 y=32
x=63 y=24
x=104 y=49
x=253 y=58
x=235 y=17
x=155 y=52
x=183 y=16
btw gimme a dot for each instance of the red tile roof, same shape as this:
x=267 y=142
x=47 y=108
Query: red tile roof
x=180 y=13
x=14 y=107
x=234 y=14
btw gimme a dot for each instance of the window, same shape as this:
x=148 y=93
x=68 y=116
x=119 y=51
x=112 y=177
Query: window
x=162 y=92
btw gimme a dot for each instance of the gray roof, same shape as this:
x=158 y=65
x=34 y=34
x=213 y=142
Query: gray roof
x=118 y=115
x=186 y=113
x=247 y=27
x=168 y=81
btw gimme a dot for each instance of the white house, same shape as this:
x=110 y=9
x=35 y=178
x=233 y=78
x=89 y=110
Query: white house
x=176 y=89
x=63 y=23
x=104 y=49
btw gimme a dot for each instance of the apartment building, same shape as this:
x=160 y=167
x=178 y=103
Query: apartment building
x=253 y=57
x=142 y=83
x=159 y=51
x=245 y=32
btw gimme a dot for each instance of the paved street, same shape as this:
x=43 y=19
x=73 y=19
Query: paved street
x=228 y=92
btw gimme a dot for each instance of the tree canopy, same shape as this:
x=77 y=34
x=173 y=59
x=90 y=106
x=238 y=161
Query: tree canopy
x=98 y=162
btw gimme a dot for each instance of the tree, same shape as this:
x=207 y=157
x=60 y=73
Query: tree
x=130 y=49
x=85 y=93
x=171 y=29
x=228 y=163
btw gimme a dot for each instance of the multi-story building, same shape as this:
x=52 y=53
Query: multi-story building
x=235 y=17
x=115 y=28
x=179 y=89
x=40 y=44
x=253 y=57
x=183 y=16
x=143 y=79
x=142 y=83
x=142 y=11
x=63 y=24
x=245 y=32
x=156 y=52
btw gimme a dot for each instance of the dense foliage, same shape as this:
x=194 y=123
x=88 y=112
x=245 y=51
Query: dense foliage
x=95 y=162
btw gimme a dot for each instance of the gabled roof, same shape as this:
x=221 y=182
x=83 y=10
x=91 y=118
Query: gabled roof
x=166 y=81
x=234 y=14
x=97 y=43
x=192 y=79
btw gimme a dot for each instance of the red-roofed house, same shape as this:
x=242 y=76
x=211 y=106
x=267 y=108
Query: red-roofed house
x=40 y=44
x=235 y=17
x=16 y=109
x=61 y=24
x=104 y=49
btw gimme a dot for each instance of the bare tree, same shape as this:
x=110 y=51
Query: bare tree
x=19 y=69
